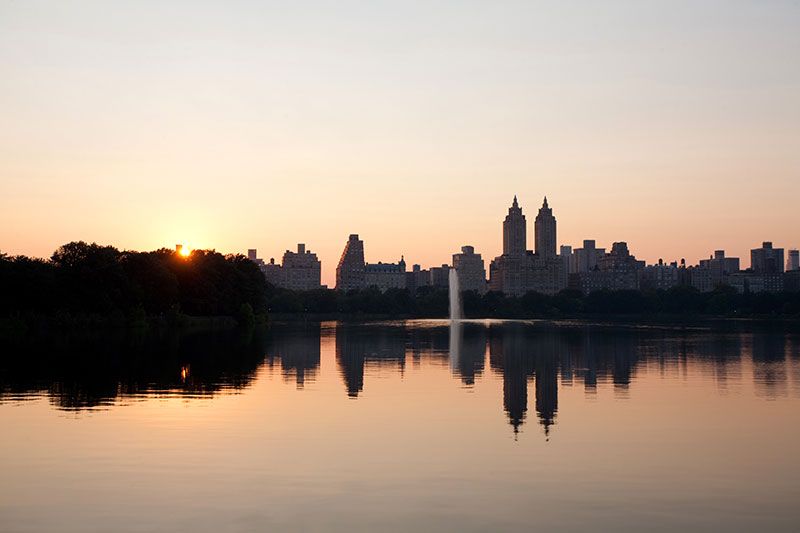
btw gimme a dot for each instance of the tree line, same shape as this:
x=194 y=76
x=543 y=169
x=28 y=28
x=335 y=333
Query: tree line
x=82 y=279
x=91 y=280
x=433 y=302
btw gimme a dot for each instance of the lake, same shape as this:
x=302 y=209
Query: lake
x=403 y=426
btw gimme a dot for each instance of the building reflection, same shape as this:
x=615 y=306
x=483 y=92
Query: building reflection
x=358 y=346
x=521 y=355
x=83 y=371
x=298 y=349
x=467 y=351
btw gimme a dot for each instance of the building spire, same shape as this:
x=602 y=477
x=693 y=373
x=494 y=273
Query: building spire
x=515 y=202
x=545 y=201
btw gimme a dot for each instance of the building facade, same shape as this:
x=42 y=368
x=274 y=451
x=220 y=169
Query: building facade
x=791 y=280
x=766 y=260
x=585 y=259
x=793 y=261
x=471 y=270
x=350 y=270
x=299 y=271
x=440 y=276
x=417 y=278
x=661 y=276
x=712 y=272
x=615 y=271
x=749 y=281
x=385 y=276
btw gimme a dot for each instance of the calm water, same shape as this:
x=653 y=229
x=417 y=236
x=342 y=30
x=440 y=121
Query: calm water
x=403 y=426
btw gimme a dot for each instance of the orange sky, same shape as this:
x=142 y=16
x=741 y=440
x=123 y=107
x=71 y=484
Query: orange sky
x=238 y=126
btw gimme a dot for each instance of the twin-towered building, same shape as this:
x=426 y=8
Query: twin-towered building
x=519 y=270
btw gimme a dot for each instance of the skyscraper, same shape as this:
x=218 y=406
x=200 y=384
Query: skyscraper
x=518 y=270
x=299 y=271
x=514 y=231
x=350 y=270
x=545 y=232
x=766 y=260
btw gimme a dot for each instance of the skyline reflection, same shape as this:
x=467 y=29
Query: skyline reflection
x=83 y=372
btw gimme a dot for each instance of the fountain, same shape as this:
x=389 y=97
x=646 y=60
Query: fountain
x=455 y=297
x=455 y=319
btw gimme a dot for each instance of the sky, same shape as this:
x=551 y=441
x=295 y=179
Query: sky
x=674 y=126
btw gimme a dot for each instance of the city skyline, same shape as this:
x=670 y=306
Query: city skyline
x=526 y=242
x=673 y=127
x=546 y=269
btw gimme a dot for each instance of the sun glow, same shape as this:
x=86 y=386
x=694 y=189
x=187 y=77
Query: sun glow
x=183 y=251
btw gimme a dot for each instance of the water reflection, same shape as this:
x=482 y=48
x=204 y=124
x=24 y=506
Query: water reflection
x=358 y=346
x=82 y=371
x=522 y=354
x=85 y=371
x=298 y=351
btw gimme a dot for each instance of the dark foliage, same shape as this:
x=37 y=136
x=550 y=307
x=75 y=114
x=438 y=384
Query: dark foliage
x=433 y=302
x=83 y=279
x=89 y=279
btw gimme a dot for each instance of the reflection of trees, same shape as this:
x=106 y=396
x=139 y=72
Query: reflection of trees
x=79 y=371
x=85 y=370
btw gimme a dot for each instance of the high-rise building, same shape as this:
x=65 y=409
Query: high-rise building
x=793 y=262
x=713 y=272
x=518 y=270
x=585 y=259
x=299 y=271
x=471 y=270
x=766 y=260
x=302 y=269
x=514 y=231
x=350 y=270
x=545 y=232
